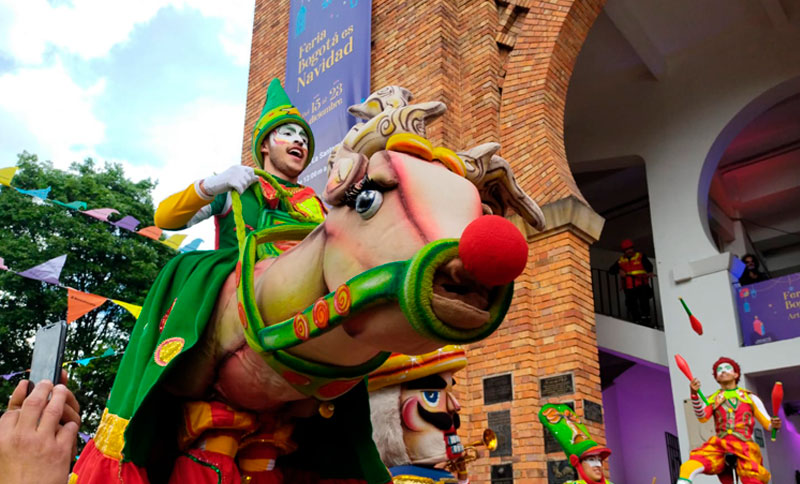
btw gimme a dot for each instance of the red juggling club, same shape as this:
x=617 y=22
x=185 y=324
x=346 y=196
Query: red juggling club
x=696 y=326
x=777 y=399
x=684 y=367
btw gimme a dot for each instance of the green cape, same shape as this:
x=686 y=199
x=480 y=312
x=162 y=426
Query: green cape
x=174 y=316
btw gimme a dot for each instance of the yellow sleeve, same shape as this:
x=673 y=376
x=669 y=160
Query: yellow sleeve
x=177 y=209
x=761 y=412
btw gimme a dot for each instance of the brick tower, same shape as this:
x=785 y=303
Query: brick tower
x=502 y=67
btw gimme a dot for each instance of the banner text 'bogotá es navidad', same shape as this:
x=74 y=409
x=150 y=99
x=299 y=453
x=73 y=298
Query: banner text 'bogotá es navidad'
x=327 y=70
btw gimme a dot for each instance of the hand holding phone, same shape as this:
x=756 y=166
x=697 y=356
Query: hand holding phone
x=38 y=437
x=48 y=354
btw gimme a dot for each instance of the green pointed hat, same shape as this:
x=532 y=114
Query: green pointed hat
x=278 y=110
x=570 y=433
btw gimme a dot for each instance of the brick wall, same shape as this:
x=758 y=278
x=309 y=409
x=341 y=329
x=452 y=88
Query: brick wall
x=502 y=67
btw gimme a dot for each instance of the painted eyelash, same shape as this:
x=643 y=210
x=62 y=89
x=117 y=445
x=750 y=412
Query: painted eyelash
x=365 y=184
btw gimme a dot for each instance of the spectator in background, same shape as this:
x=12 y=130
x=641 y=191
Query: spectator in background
x=635 y=270
x=751 y=273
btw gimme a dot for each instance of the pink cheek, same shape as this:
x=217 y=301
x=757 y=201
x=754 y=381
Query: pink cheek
x=409 y=412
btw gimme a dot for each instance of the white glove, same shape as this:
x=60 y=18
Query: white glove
x=237 y=177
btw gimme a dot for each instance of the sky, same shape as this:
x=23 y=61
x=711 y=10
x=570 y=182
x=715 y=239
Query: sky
x=157 y=85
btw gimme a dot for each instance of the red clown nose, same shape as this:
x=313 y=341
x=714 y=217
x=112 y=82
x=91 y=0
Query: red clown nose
x=493 y=250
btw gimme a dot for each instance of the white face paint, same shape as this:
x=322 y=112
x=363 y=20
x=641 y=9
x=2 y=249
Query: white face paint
x=724 y=368
x=290 y=133
x=594 y=461
x=288 y=151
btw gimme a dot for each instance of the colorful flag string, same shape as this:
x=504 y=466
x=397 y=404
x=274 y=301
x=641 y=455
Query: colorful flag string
x=125 y=223
x=78 y=302
x=109 y=352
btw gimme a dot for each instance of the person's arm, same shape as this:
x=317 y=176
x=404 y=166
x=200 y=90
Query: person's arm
x=191 y=205
x=38 y=438
x=702 y=411
x=177 y=210
x=614 y=269
x=762 y=415
x=648 y=266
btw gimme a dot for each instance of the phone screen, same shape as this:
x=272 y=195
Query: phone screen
x=48 y=352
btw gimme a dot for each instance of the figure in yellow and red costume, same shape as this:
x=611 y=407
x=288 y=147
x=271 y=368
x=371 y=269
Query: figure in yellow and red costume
x=283 y=146
x=735 y=411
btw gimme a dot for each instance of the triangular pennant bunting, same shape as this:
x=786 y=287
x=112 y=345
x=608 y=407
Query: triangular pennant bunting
x=48 y=271
x=128 y=223
x=100 y=213
x=80 y=303
x=76 y=205
x=193 y=245
x=132 y=308
x=9 y=376
x=3 y=265
x=151 y=232
x=6 y=174
x=175 y=241
x=39 y=193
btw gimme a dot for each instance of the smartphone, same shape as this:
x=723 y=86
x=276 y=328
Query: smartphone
x=48 y=354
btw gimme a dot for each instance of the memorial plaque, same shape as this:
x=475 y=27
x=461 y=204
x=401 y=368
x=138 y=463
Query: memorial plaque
x=556 y=385
x=502 y=474
x=592 y=411
x=500 y=422
x=497 y=389
x=559 y=472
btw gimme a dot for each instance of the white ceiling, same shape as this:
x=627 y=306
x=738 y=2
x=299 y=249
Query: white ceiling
x=758 y=179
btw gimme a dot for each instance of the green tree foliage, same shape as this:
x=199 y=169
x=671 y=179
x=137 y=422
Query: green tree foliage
x=101 y=259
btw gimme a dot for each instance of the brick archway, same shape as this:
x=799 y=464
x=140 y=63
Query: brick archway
x=534 y=91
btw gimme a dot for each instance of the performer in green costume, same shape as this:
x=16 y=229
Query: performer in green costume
x=136 y=440
x=285 y=138
x=584 y=454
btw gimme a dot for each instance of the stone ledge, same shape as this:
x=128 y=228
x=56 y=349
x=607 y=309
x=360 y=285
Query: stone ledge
x=567 y=213
x=716 y=263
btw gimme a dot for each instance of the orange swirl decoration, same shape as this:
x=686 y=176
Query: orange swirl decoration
x=321 y=313
x=301 y=326
x=242 y=315
x=342 y=300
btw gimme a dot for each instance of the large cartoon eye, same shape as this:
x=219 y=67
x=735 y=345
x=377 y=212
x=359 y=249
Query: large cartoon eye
x=431 y=397
x=368 y=202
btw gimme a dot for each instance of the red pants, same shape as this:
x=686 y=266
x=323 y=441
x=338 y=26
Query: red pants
x=749 y=466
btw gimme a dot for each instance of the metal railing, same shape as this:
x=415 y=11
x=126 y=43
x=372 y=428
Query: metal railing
x=609 y=298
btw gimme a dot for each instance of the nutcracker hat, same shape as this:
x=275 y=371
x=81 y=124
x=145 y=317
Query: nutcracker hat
x=278 y=110
x=570 y=433
x=400 y=368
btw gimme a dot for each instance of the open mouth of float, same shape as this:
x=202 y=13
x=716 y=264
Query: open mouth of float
x=442 y=301
x=458 y=299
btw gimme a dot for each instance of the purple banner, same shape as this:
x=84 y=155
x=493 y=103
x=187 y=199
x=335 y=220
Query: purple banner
x=770 y=310
x=327 y=71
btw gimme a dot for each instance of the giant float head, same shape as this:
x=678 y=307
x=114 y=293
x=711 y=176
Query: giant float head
x=394 y=196
x=414 y=411
x=584 y=454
